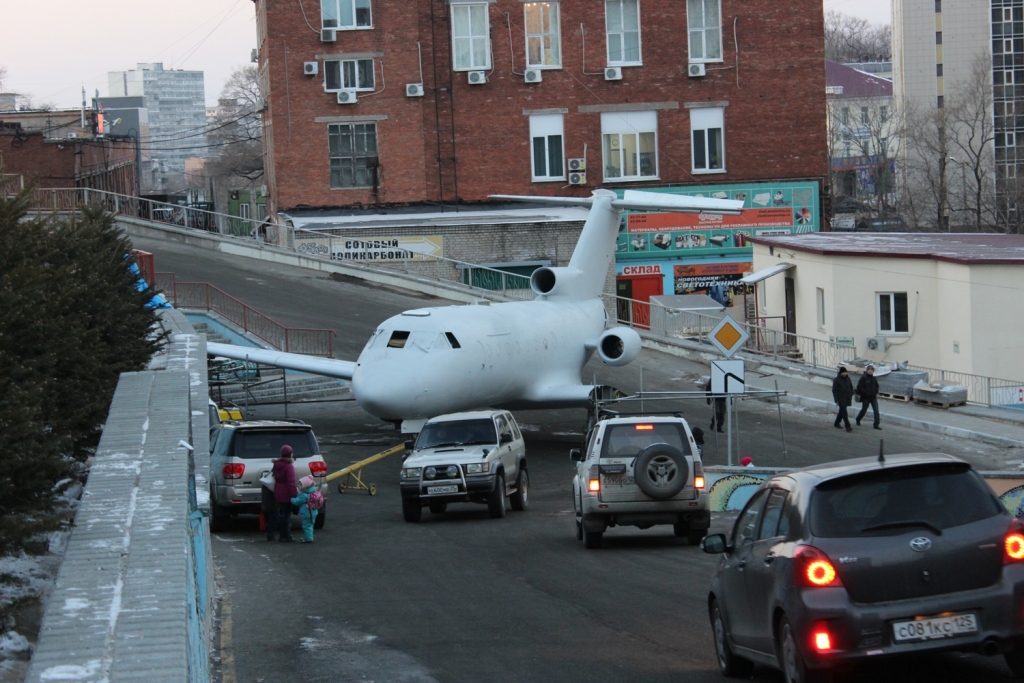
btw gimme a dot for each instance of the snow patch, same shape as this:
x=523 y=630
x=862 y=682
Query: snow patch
x=310 y=643
x=14 y=644
x=71 y=672
x=75 y=604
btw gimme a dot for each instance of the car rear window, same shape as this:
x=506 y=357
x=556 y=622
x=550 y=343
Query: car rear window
x=627 y=440
x=266 y=444
x=457 y=433
x=893 y=501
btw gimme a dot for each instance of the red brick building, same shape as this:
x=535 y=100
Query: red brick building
x=649 y=93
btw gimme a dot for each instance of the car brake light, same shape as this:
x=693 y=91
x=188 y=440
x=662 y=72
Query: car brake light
x=1013 y=543
x=698 y=475
x=318 y=468
x=233 y=470
x=813 y=569
x=594 y=486
x=822 y=638
x=643 y=428
x=698 y=482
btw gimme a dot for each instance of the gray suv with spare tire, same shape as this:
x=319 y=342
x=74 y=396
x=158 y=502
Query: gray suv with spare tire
x=639 y=471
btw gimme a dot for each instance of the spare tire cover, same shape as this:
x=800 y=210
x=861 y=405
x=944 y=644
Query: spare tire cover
x=661 y=471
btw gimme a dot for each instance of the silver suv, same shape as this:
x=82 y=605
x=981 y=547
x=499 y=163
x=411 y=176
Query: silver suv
x=477 y=457
x=639 y=471
x=242 y=453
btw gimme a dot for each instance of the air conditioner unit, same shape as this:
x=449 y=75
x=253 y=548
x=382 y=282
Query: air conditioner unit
x=577 y=164
x=261 y=104
x=577 y=178
x=414 y=90
x=347 y=97
x=613 y=73
x=72 y=136
x=328 y=35
x=533 y=76
x=477 y=77
x=311 y=68
x=876 y=343
x=696 y=71
x=254 y=56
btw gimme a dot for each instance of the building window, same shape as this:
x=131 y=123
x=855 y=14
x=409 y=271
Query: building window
x=883 y=113
x=546 y=147
x=821 y=308
x=704 y=18
x=864 y=116
x=938 y=37
x=844 y=116
x=348 y=74
x=938 y=70
x=939 y=102
x=630 y=145
x=353 y=153
x=892 y=313
x=471 y=36
x=543 y=45
x=345 y=14
x=622 y=20
x=938 y=6
x=707 y=125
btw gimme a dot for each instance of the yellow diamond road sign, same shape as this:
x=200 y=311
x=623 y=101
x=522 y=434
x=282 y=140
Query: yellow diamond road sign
x=728 y=336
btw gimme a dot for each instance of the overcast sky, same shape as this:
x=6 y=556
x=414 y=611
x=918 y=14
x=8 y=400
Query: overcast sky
x=79 y=42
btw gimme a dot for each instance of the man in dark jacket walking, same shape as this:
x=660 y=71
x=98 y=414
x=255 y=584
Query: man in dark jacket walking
x=284 y=491
x=842 y=394
x=718 y=419
x=867 y=389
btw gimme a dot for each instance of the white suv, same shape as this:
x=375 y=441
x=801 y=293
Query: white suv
x=477 y=457
x=639 y=471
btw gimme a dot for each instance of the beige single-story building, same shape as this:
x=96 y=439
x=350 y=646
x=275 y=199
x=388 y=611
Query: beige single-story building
x=953 y=302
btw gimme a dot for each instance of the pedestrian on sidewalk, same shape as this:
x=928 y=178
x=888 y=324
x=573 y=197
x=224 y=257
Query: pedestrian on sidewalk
x=718 y=419
x=867 y=390
x=698 y=438
x=309 y=502
x=842 y=394
x=284 y=491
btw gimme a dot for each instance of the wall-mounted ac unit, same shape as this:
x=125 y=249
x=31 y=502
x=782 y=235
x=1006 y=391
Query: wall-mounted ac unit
x=414 y=90
x=328 y=35
x=261 y=104
x=347 y=97
x=533 y=76
x=72 y=136
x=254 y=56
x=477 y=77
x=577 y=178
x=696 y=71
x=311 y=68
x=577 y=164
x=876 y=343
x=613 y=73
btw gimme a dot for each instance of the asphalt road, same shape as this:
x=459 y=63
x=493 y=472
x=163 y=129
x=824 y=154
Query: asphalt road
x=464 y=598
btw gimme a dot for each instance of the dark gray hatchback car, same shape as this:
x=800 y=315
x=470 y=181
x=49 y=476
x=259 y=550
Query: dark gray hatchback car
x=867 y=558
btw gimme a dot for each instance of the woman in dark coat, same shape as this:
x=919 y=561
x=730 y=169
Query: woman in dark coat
x=842 y=394
x=284 y=491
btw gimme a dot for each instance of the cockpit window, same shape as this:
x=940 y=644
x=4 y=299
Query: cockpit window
x=398 y=340
x=452 y=340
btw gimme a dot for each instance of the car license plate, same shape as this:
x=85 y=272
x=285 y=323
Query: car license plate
x=618 y=480
x=935 y=627
x=433 y=490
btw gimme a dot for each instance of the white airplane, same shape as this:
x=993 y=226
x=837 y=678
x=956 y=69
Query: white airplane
x=516 y=355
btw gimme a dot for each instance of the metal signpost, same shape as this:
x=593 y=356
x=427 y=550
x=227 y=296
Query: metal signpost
x=728 y=336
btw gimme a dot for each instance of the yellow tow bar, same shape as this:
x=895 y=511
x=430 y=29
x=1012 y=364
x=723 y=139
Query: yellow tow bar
x=354 y=470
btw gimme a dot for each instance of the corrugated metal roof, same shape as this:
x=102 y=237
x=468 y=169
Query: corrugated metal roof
x=966 y=248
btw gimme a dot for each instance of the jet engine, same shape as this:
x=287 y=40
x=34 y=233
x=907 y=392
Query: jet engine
x=554 y=281
x=619 y=346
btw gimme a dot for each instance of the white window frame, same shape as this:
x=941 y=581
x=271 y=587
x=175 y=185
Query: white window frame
x=699 y=31
x=891 y=332
x=820 y=298
x=621 y=33
x=353 y=6
x=544 y=127
x=342 y=75
x=702 y=121
x=551 y=57
x=616 y=129
x=472 y=38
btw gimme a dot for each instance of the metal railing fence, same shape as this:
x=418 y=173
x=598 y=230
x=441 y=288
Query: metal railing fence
x=981 y=390
x=204 y=296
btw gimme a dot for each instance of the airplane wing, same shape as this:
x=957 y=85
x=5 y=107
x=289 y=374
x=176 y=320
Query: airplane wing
x=642 y=201
x=329 y=367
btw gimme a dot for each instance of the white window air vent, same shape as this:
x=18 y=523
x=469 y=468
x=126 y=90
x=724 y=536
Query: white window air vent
x=533 y=76
x=347 y=97
x=311 y=68
x=876 y=343
x=696 y=71
x=577 y=178
x=328 y=35
x=613 y=73
x=577 y=164
x=414 y=90
x=477 y=77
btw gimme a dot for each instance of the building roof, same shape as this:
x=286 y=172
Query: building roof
x=854 y=83
x=965 y=248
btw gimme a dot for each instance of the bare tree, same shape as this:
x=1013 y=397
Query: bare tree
x=971 y=125
x=868 y=130
x=3 y=76
x=237 y=131
x=923 y=191
x=851 y=39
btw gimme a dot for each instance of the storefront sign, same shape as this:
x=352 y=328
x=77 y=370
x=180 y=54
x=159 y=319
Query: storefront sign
x=641 y=270
x=720 y=281
x=407 y=248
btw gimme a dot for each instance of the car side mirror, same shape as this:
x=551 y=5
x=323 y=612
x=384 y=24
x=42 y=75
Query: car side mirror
x=576 y=455
x=715 y=544
x=506 y=438
x=408 y=445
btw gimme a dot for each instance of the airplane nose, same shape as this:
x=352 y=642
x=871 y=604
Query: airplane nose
x=385 y=393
